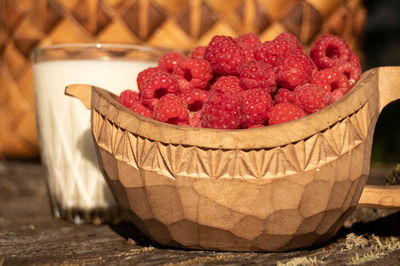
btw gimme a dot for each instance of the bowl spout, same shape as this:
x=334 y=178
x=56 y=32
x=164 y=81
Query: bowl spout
x=83 y=92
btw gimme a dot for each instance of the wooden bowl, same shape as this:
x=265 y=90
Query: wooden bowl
x=274 y=188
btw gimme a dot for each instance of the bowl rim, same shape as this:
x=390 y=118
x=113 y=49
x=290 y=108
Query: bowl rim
x=107 y=105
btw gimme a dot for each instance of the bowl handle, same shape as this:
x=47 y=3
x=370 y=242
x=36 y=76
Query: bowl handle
x=83 y=92
x=388 y=85
x=380 y=197
x=389 y=91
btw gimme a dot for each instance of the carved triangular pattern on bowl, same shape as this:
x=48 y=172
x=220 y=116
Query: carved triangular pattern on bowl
x=292 y=158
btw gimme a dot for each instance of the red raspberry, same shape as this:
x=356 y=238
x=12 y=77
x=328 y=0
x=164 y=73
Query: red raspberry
x=256 y=126
x=329 y=79
x=168 y=61
x=249 y=43
x=284 y=112
x=248 y=40
x=257 y=74
x=158 y=85
x=227 y=83
x=195 y=99
x=139 y=108
x=195 y=119
x=256 y=104
x=223 y=109
x=192 y=73
x=329 y=51
x=290 y=38
x=128 y=97
x=355 y=60
x=171 y=109
x=271 y=51
x=311 y=98
x=294 y=68
x=144 y=75
x=283 y=95
x=199 y=52
x=184 y=124
x=350 y=70
x=224 y=54
x=336 y=95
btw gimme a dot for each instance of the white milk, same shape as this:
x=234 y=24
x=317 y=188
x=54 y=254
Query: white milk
x=67 y=148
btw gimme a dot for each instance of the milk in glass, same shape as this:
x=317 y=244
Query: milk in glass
x=76 y=185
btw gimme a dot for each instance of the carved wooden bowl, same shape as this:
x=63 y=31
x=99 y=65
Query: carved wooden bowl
x=274 y=188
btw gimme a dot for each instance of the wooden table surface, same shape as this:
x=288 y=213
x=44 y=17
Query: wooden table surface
x=29 y=235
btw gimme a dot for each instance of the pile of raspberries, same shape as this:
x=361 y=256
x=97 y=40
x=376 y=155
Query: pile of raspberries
x=236 y=83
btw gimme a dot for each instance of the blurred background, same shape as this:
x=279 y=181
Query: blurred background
x=381 y=47
x=371 y=27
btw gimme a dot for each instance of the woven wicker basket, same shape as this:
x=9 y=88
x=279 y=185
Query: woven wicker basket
x=27 y=24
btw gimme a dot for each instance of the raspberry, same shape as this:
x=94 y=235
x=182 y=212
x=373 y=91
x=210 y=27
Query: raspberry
x=192 y=73
x=289 y=38
x=257 y=74
x=144 y=75
x=171 y=109
x=168 y=61
x=311 y=98
x=195 y=99
x=294 y=68
x=128 y=97
x=350 y=70
x=271 y=51
x=284 y=112
x=198 y=52
x=223 y=109
x=139 y=108
x=195 y=119
x=233 y=82
x=256 y=104
x=227 y=83
x=336 y=95
x=158 y=85
x=355 y=60
x=224 y=54
x=329 y=51
x=249 y=43
x=184 y=124
x=329 y=79
x=248 y=40
x=256 y=126
x=283 y=95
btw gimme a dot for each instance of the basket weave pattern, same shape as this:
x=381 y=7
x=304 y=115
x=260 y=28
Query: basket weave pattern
x=175 y=23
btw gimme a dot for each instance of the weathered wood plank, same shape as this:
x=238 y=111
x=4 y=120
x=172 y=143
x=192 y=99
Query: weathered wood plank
x=30 y=235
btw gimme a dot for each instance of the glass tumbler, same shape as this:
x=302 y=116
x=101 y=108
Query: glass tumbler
x=76 y=187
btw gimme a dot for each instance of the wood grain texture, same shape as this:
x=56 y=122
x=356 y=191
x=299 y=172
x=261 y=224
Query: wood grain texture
x=380 y=197
x=29 y=235
x=279 y=187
